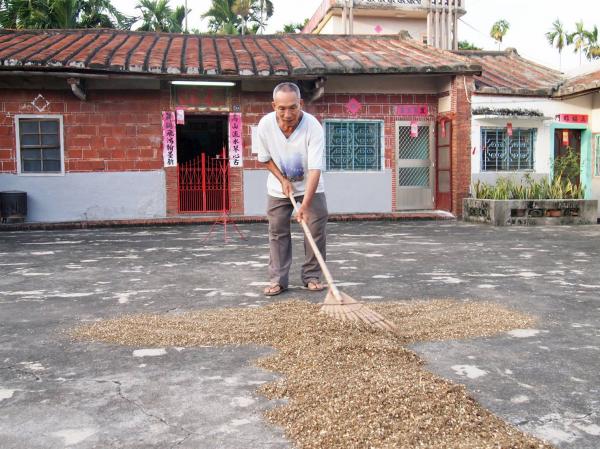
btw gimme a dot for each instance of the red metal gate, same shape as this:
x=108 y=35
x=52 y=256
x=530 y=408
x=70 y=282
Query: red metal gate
x=203 y=184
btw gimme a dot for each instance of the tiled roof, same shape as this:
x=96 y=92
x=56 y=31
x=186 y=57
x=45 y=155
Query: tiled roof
x=215 y=55
x=505 y=72
x=580 y=84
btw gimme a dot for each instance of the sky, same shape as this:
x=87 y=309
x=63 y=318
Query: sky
x=529 y=21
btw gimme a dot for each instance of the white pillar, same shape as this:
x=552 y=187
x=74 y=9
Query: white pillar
x=443 y=30
x=429 y=25
x=455 y=28
x=437 y=26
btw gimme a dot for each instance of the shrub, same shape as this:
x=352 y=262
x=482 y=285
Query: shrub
x=505 y=188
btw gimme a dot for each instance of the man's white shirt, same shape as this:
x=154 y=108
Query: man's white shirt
x=293 y=155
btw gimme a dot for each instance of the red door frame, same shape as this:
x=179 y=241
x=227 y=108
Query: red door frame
x=443 y=200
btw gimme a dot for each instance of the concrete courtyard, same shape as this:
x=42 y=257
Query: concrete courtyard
x=56 y=393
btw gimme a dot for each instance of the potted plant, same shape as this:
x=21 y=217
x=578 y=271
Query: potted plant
x=530 y=201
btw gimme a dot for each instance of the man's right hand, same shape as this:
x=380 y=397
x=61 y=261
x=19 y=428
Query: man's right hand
x=287 y=187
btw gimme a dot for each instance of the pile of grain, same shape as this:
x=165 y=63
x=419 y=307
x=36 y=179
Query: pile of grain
x=347 y=386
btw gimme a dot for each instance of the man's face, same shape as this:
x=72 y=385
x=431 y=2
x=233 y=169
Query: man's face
x=287 y=106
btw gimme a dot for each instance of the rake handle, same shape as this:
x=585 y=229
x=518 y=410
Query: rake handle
x=315 y=248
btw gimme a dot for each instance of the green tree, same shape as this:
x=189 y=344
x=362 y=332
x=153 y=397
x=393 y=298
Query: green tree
x=466 y=45
x=592 y=45
x=265 y=8
x=238 y=16
x=157 y=15
x=557 y=37
x=499 y=30
x=245 y=11
x=578 y=38
x=221 y=18
x=46 y=14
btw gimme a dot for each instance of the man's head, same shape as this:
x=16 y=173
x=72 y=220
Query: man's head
x=287 y=103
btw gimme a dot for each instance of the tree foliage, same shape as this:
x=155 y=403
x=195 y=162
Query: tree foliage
x=238 y=16
x=157 y=15
x=584 y=41
x=499 y=30
x=57 y=14
x=466 y=45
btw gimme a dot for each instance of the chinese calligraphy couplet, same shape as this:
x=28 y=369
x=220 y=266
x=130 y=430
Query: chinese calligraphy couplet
x=169 y=139
x=235 y=140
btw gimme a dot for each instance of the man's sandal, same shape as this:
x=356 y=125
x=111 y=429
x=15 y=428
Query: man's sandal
x=314 y=285
x=274 y=290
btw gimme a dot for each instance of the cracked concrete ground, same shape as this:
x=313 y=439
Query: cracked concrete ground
x=55 y=393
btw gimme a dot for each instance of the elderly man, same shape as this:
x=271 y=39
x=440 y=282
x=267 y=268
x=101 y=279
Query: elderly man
x=290 y=144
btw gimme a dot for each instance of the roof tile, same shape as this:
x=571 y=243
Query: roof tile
x=234 y=56
x=505 y=72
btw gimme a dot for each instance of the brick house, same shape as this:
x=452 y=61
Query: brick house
x=112 y=125
x=525 y=115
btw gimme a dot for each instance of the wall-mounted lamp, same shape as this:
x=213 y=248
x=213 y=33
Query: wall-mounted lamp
x=203 y=83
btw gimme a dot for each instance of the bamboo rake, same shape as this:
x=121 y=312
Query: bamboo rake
x=337 y=304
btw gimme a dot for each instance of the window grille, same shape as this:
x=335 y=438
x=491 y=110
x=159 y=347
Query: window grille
x=40 y=145
x=353 y=145
x=500 y=152
x=415 y=149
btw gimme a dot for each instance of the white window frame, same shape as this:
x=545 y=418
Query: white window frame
x=381 y=142
x=58 y=117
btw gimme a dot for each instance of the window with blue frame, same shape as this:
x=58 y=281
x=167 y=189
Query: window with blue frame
x=353 y=145
x=501 y=152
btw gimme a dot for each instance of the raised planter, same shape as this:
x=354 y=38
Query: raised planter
x=530 y=212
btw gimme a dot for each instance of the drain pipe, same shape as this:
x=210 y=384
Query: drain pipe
x=77 y=88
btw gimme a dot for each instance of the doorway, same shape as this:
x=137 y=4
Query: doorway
x=565 y=140
x=203 y=177
x=443 y=166
x=414 y=164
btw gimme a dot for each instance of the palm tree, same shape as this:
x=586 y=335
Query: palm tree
x=221 y=17
x=578 y=38
x=244 y=10
x=25 y=14
x=557 y=37
x=235 y=16
x=266 y=11
x=592 y=45
x=157 y=15
x=499 y=30
x=102 y=14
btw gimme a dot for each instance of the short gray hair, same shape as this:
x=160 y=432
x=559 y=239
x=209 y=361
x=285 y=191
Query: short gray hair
x=287 y=87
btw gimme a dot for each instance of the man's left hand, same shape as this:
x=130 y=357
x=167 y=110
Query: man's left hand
x=301 y=214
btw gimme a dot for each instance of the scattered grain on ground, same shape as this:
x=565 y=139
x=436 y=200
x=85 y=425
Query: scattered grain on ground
x=348 y=386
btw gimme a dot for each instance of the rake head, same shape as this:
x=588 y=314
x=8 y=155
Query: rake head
x=346 y=308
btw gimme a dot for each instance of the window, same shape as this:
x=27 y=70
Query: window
x=353 y=145
x=597 y=160
x=501 y=152
x=39 y=144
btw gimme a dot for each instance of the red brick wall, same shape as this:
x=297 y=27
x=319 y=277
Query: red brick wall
x=461 y=140
x=111 y=131
x=121 y=130
x=374 y=106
